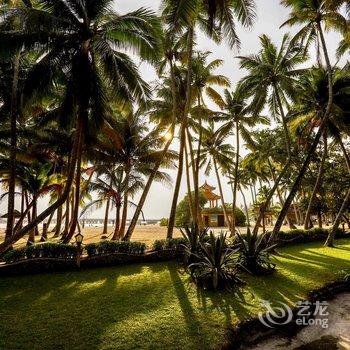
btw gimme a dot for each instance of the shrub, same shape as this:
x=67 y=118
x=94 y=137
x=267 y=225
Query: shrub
x=46 y=250
x=163 y=222
x=254 y=253
x=193 y=237
x=14 y=255
x=217 y=264
x=110 y=247
x=173 y=243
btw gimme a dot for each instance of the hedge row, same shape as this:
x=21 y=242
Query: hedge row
x=108 y=247
x=46 y=250
x=305 y=236
x=174 y=243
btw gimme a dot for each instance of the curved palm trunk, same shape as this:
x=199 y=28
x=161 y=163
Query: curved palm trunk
x=13 y=149
x=317 y=183
x=105 y=222
x=182 y=135
x=330 y=239
x=235 y=184
x=314 y=145
x=222 y=196
x=116 y=234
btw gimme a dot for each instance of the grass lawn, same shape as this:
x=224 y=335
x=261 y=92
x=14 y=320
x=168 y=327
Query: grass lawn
x=150 y=306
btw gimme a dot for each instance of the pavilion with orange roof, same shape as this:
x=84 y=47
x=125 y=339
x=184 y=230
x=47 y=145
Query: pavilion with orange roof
x=213 y=216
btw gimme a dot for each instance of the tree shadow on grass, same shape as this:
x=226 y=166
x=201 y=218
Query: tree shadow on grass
x=77 y=310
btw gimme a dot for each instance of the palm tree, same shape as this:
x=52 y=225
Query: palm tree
x=214 y=18
x=84 y=41
x=36 y=180
x=235 y=109
x=309 y=108
x=217 y=153
x=271 y=79
x=203 y=81
x=312 y=14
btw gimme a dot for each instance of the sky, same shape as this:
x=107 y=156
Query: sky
x=270 y=15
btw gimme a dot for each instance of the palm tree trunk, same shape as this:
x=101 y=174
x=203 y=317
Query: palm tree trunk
x=245 y=207
x=125 y=203
x=58 y=221
x=23 y=199
x=235 y=183
x=13 y=148
x=317 y=183
x=177 y=182
x=222 y=196
x=116 y=234
x=182 y=135
x=31 y=238
x=196 y=162
x=105 y=222
x=188 y=181
x=278 y=191
x=314 y=145
x=330 y=239
x=75 y=207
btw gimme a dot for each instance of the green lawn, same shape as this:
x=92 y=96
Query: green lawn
x=149 y=307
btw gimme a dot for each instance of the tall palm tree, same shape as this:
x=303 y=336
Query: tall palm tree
x=218 y=154
x=309 y=108
x=86 y=42
x=271 y=79
x=214 y=18
x=236 y=109
x=204 y=80
x=312 y=15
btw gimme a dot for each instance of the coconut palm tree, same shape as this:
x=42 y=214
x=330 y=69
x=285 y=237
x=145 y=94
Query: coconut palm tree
x=204 y=80
x=218 y=154
x=214 y=18
x=309 y=108
x=236 y=109
x=86 y=42
x=271 y=79
x=312 y=15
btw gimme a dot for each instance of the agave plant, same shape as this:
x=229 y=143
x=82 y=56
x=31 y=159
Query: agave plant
x=254 y=253
x=217 y=264
x=193 y=238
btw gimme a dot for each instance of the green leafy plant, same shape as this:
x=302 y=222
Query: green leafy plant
x=254 y=253
x=217 y=264
x=173 y=243
x=110 y=247
x=193 y=238
x=46 y=250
